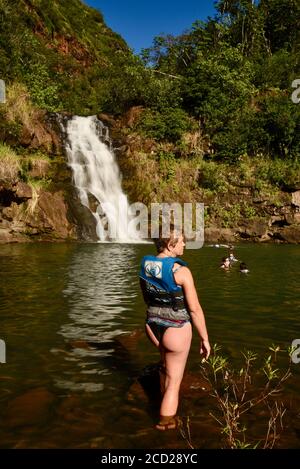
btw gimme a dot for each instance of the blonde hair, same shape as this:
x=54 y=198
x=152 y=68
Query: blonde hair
x=163 y=243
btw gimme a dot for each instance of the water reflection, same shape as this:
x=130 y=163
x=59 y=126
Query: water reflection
x=62 y=309
x=99 y=295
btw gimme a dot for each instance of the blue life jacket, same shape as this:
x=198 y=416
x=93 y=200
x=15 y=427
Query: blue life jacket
x=158 y=284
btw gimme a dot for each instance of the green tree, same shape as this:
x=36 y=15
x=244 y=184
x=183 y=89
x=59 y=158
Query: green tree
x=282 y=19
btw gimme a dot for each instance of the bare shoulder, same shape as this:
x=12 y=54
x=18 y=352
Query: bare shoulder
x=183 y=276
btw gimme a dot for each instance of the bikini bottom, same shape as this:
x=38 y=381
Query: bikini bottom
x=159 y=329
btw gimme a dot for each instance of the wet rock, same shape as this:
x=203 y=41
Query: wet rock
x=254 y=228
x=73 y=424
x=93 y=203
x=31 y=408
x=130 y=341
x=69 y=404
x=80 y=344
x=136 y=393
x=22 y=444
x=56 y=123
x=84 y=428
x=52 y=214
x=150 y=385
x=215 y=234
x=72 y=434
x=81 y=217
x=97 y=442
x=130 y=418
x=194 y=385
x=71 y=409
x=27 y=213
x=5 y=235
x=45 y=215
x=204 y=433
x=290 y=234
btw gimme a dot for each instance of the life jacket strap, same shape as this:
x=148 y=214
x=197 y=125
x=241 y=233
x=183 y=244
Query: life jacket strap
x=153 y=296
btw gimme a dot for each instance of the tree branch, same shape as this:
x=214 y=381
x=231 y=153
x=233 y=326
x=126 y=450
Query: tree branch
x=163 y=73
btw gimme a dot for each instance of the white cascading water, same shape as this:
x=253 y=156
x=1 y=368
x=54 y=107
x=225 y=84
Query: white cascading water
x=96 y=172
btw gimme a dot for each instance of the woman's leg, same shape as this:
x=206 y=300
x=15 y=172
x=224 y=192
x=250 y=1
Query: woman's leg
x=151 y=336
x=176 y=343
x=156 y=340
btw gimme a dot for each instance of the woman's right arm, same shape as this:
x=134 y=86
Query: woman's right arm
x=185 y=279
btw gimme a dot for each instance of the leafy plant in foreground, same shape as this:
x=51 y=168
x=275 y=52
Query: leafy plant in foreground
x=247 y=393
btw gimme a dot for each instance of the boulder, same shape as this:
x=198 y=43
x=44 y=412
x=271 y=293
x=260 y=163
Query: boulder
x=291 y=234
x=5 y=235
x=275 y=220
x=296 y=199
x=22 y=190
x=254 y=228
x=37 y=134
x=52 y=213
x=11 y=212
x=150 y=384
x=292 y=218
x=81 y=217
x=45 y=215
x=31 y=408
x=214 y=234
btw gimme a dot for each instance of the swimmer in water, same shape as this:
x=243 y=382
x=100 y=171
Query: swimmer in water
x=232 y=258
x=243 y=268
x=225 y=263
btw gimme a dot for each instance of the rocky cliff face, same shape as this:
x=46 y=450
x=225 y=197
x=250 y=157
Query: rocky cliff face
x=38 y=201
x=30 y=214
x=27 y=214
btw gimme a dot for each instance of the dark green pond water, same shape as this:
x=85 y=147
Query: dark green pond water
x=70 y=380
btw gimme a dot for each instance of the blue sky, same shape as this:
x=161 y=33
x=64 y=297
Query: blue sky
x=139 y=21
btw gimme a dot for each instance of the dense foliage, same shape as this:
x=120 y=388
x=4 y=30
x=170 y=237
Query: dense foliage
x=235 y=75
x=230 y=76
x=65 y=54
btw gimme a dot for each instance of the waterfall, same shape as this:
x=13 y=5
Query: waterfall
x=97 y=179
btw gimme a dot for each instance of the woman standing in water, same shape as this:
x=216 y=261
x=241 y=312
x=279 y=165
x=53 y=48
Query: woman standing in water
x=169 y=292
